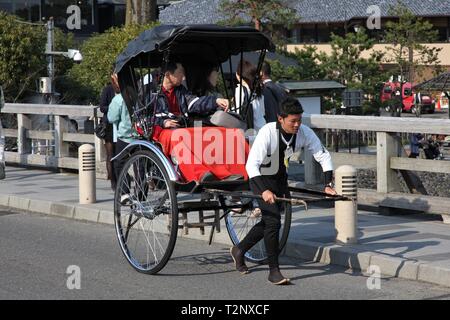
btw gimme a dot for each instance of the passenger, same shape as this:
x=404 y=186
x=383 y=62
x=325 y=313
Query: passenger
x=255 y=114
x=176 y=103
x=176 y=107
x=203 y=79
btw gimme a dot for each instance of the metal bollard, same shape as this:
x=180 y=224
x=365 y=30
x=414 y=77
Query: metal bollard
x=345 y=220
x=86 y=174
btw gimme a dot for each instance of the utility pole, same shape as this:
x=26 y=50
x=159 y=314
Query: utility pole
x=50 y=58
x=51 y=75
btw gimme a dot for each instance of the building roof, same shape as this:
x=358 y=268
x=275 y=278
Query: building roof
x=310 y=11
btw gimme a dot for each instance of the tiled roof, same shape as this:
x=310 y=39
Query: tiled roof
x=206 y=11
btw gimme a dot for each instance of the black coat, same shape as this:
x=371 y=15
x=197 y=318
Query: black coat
x=274 y=95
x=189 y=105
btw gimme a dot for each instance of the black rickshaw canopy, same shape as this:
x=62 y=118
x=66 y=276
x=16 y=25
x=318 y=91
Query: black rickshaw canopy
x=210 y=43
x=192 y=45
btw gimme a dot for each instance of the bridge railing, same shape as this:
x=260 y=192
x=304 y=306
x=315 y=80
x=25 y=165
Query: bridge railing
x=390 y=160
x=58 y=133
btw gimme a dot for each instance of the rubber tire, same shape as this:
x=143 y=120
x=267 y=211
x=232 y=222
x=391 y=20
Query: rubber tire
x=284 y=232
x=173 y=197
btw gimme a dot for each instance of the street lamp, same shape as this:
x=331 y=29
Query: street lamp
x=73 y=54
x=46 y=84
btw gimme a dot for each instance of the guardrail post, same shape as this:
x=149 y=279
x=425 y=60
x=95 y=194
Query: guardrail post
x=387 y=147
x=100 y=154
x=86 y=174
x=23 y=143
x=345 y=219
x=61 y=147
x=313 y=170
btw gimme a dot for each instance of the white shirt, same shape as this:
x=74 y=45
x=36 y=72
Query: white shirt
x=266 y=143
x=257 y=104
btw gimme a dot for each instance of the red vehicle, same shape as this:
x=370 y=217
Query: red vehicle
x=391 y=90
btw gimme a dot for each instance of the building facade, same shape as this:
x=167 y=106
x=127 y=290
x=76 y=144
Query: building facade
x=319 y=19
x=82 y=17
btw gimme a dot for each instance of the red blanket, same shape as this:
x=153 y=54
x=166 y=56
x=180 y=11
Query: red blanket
x=221 y=151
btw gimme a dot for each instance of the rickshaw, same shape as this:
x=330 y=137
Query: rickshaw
x=161 y=202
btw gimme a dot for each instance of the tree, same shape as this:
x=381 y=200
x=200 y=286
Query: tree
x=406 y=36
x=308 y=65
x=99 y=54
x=266 y=15
x=21 y=56
x=140 y=11
x=22 y=59
x=347 y=65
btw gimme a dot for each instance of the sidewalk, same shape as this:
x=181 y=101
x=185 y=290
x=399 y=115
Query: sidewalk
x=410 y=247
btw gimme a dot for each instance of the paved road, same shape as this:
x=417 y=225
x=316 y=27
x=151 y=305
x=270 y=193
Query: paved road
x=37 y=250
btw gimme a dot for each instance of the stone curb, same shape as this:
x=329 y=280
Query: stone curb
x=361 y=260
x=345 y=256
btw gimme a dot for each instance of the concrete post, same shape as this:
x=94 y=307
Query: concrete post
x=387 y=147
x=23 y=124
x=345 y=220
x=100 y=152
x=86 y=174
x=61 y=147
x=313 y=170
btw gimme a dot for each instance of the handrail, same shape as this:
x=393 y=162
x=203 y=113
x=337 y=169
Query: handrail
x=379 y=124
x=59 y=136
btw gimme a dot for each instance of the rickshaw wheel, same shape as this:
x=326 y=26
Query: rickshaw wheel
x=239 y=224
x=145 y=213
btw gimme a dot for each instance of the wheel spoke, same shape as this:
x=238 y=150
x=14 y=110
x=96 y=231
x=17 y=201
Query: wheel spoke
x=141 y=228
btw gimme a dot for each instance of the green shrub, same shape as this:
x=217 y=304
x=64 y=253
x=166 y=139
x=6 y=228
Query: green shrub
x=22 y=58
x=99 y=53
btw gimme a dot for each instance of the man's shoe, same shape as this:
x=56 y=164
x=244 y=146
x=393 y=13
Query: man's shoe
x=208 y=177
x=256 y=213
x=275 y=277
x=239 y=260
x=125 y=199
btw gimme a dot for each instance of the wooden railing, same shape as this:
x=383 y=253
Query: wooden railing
x=390 y=160
x=58 y=134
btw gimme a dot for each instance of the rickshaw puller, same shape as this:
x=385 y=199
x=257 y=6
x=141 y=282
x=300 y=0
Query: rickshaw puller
x=267 y=169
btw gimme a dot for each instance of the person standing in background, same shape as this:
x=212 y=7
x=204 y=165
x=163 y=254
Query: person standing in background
x=2 y=140
x=108 y=94
x=273 y=94
x=255 y=114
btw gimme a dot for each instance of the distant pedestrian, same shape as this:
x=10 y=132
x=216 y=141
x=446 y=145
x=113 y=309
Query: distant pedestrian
x=108 y=93
x=416 y=140
x=119 y=116
x=251 y=90
x=273 y=93
x=2 y=140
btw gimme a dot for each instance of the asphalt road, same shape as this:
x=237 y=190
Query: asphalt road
x=37 y=253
